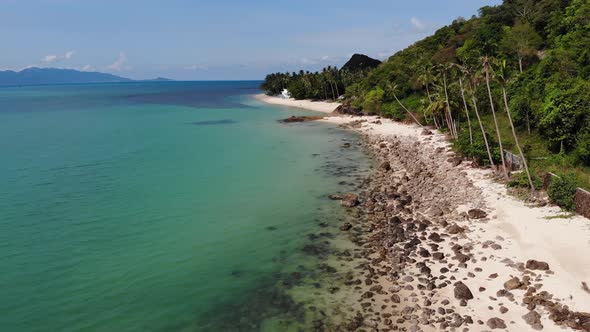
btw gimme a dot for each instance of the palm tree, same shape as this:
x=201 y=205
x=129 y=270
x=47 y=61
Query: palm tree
x=391 y=89
x=461 y=74
x=502 y=75
x=450 y=122
x=473 y=83
x=487 y=66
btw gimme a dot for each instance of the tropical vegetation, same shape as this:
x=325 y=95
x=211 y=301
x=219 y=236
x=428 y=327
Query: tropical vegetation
x=514 y=77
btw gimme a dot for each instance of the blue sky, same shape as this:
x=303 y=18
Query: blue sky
x=220 y=39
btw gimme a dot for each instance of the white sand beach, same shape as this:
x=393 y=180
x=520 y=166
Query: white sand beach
x=317 y=106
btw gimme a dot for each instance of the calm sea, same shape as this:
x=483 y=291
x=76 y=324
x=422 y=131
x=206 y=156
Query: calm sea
x=173 y=206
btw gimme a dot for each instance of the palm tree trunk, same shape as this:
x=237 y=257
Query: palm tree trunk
x=496 y=124
x=428 y=93
x=466 y=110
x=483 y=132
x=520 y=64
x=402 y=105
x=448 y=108
x=331 y=87
x=526 y=167
x=337 y=92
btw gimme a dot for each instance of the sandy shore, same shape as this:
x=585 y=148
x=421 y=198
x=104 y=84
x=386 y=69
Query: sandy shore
x=318 y=106
x=456 y=228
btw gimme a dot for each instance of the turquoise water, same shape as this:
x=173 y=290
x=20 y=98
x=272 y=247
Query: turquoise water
x=158 y=206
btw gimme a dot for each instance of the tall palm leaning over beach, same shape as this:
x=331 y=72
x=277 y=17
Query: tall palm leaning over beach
x=461 y=73
x=391 y=89
x=487 y=68
x=502 y=75
x=473 y=83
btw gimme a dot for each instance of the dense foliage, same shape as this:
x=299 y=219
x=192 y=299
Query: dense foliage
x=562 y=191
x=517 y=74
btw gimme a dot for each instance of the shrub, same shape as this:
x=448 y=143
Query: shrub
x=521 y=180
x=583 y=148
x=477 y=150
x=394 y=111
x=562 y=191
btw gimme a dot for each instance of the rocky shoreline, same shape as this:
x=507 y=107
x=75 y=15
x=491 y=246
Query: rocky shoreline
x=426 y=263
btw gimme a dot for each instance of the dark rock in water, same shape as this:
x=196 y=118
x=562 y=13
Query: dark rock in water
x=462 y=292
x=496 y=323
x=534 y=320
x=476 y=214
x=537 y=265
x=271 y=228
x=346 y=226
x=213 y=122
x=335 y=197
x=385 y=166
x=346 y=145
x=350 y=200
x=301 y=119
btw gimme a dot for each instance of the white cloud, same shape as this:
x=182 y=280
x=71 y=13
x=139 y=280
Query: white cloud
x=51 y=58
x=119 y=64
x=417 y=23
x=196 y=67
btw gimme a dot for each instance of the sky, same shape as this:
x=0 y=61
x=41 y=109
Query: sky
x=213 y=39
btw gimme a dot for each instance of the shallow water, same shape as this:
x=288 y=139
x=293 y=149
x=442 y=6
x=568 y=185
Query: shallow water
x=161 y=206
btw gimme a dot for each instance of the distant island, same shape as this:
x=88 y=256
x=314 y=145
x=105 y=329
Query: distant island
x=39 y=76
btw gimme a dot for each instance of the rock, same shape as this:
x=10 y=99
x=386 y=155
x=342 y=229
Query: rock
x=496 y=323
x=513 y=283
x=346 y=226
x=455 y=229
x=426 y=132
x=335 y=197
x=385 y=166
x=395 y=298
x=476 y=214
x=503 y=309
x=537 y=265
x=462 y=292
x=301 y=119
x=350 y=200
x=534 y=320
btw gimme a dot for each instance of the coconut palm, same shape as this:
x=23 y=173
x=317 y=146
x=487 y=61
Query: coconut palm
x=473 y=83
x=502 y=74
x=443 y=70
x=487 y=68
x=391 y=88
x=462 y=70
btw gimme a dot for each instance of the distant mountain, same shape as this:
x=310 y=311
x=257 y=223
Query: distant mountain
x=360 y=62
x=32 y=76
x=159 y=79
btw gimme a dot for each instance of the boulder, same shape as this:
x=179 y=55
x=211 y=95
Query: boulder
x=385 y=166
x=350 y=200
x=346 y=226
x=496 y=323
x=513 y=283
x=533 y=319
x=462 y=292
x=455 y=229
x=476 y=214
x=532 y=264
